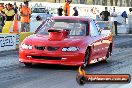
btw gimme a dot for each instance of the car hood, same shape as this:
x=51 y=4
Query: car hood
x=44 y=40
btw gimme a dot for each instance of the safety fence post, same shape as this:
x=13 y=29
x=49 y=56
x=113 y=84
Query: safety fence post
x=115 y=24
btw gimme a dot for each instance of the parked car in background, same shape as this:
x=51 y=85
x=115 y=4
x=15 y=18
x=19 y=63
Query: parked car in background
x=40 y=13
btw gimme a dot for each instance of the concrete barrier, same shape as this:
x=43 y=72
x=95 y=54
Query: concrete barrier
x=7 y=41
x=130 y=23
x=10 y=41
x=119 y=19
x=122 y=29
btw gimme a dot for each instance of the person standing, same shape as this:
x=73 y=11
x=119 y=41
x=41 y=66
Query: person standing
x=60 y=10
x=9 y=17
x=20 y=6
x=1 y=6
x=114 y=19
x=75 y=11
x=67 y=8
x=2 y=17
x=25 y=14
x=8 y=13
x=105 y=14
x=114 y=14
x=124 y=15
x=15 y=8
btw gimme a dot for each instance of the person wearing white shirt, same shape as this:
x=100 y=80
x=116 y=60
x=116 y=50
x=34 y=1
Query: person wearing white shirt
x=114 y=14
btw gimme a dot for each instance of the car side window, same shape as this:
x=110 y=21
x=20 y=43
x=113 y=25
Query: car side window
x=93 y=29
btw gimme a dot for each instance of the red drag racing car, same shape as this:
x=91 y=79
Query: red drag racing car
x=66 y=40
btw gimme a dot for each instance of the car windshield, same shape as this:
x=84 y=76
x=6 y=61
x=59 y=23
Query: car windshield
x=39 y=10
x=75 y=27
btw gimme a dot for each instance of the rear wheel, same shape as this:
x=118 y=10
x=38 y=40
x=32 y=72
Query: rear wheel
x=85 y=61
x=28 y=64
x=108 y=53
x=107 y=56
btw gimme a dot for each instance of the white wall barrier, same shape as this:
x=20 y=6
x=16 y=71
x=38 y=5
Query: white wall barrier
x=122 y=29
x=8 y=41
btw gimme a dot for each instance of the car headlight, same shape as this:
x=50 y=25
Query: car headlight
x=69 y=49
x=25 y=46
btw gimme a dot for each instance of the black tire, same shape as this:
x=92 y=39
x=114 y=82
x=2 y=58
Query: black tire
x=107 y=56
x=86 y=58
x=104 y=61
x=108 y=53
x=28 y=64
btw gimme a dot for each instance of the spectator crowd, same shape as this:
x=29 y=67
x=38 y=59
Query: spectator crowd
x=8 y=12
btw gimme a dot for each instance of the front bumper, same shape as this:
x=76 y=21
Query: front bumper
x=61 y=58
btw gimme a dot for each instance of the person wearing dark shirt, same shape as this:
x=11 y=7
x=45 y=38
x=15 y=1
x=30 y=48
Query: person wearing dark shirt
x=60 y=10
x=75 y=11
x=105 y=15
x=15 y=9
x=124 y=15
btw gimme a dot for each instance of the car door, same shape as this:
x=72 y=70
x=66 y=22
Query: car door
x=96 y=41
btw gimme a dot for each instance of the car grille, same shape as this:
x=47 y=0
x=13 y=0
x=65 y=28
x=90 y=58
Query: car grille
x=50 y=48
x=40 y=47
x=46 y=58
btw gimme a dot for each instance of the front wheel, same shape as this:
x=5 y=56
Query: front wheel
x=85 y=61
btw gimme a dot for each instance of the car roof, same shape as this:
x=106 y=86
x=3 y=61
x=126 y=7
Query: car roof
x=73 y=18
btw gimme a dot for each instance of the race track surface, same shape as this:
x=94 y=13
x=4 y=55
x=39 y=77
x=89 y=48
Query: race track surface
x=16 y=75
